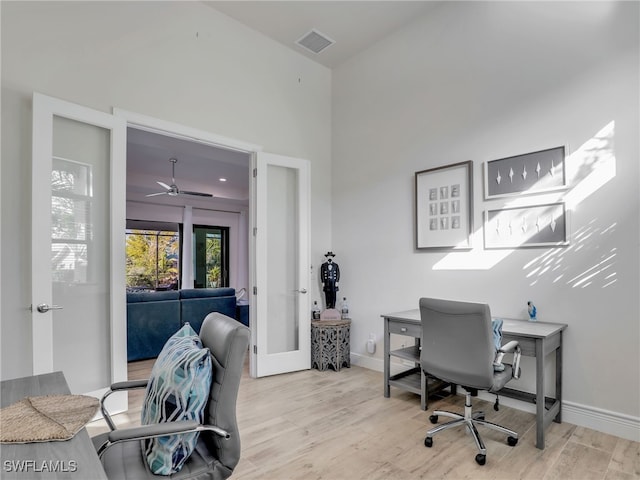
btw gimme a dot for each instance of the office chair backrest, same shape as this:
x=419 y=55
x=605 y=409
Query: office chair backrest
x=228 y=341
x=457 y=342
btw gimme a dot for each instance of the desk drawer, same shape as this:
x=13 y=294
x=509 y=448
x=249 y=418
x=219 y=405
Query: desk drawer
x=405 y=328
x=527 y=345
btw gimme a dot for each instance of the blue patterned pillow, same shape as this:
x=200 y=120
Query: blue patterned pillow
x=178 y=389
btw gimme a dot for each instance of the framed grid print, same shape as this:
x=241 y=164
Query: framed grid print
x=444 y=207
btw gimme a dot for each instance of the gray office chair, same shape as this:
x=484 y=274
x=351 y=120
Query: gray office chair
x=458 y=347
x=218 y=449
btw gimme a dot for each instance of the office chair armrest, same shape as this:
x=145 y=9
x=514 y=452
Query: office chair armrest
x=158 y=430
x=509 y=347
x=118 y=387
x=513 y=347
x=129 y=385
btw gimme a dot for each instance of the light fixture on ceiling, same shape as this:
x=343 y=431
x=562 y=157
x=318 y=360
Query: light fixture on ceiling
x=173 y=190
x=314 y=41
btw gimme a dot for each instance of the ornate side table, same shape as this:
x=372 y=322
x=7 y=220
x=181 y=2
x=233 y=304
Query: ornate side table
x=330 y=344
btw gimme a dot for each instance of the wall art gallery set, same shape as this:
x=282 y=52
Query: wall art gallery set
x=444 y=203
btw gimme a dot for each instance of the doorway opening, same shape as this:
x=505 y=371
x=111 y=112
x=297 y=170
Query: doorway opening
x=247 y=272
x=213 y=185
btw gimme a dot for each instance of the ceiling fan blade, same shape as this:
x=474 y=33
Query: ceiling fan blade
x=195 y=194
x=164 y=185
x=156 y=194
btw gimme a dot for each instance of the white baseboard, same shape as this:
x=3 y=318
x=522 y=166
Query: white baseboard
x=367 y=361
x=613 y=423
x=606 y=421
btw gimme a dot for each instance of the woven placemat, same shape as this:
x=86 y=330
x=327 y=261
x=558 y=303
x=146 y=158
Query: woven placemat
x=46 y=418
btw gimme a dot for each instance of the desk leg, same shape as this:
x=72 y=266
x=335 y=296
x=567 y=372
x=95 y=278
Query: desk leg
x=424 y=382
x=387 y=350
x=540 y=398
x=558 y=417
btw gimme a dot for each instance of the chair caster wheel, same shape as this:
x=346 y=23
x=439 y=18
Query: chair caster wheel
x=481 y=459
x=433 y=418
x=428 y=442
x=512 y=441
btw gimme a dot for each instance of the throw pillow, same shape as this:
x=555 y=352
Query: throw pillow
x=178 y=389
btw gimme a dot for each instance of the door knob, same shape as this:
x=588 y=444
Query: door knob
x=44 y=308
x=302 y=290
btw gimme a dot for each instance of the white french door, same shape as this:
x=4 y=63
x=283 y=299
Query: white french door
x=78 y=224
x=78 y=257
x=281 y=321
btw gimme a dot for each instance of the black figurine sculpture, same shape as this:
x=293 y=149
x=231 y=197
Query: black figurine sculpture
x=330 y=276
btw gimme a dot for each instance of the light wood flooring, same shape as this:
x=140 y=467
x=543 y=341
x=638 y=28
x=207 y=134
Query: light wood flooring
x=338 y=425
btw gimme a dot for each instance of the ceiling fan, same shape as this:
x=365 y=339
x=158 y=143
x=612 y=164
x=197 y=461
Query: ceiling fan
x=173 y=190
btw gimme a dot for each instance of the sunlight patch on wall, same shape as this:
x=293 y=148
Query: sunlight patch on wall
x=588 y=168
x=476 y=259
x=591 y=166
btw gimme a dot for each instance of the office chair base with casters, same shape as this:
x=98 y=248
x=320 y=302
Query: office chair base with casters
x=470 y=419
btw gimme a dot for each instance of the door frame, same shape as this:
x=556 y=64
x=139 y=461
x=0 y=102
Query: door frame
x=176 y=130
x=171 y=129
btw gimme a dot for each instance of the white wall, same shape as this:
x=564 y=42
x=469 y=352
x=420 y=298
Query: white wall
x=482 y=81
x=181 y=62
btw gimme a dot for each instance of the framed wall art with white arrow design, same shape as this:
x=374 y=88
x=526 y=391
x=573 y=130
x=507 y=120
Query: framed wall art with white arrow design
x=529 y=173
x=530 y=226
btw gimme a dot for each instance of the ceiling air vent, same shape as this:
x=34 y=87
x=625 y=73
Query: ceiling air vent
x=315 y=41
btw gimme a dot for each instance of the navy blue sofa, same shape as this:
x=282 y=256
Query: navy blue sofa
x=152 y=317
x=197 y=303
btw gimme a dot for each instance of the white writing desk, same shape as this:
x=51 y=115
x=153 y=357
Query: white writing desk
x=536 y=339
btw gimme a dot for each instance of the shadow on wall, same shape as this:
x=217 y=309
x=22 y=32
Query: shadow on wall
x=587 y=169
x=592 y=166
x=550 y=263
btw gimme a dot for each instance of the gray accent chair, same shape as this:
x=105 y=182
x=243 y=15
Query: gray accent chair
x=218 y=449
x=458 y=347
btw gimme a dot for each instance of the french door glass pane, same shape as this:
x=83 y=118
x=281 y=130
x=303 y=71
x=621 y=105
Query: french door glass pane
x=282 y=265
x=80 y=253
